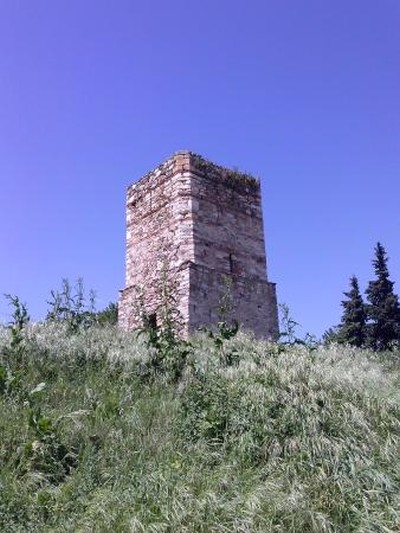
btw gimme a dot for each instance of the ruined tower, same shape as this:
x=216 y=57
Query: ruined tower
x=200 y=225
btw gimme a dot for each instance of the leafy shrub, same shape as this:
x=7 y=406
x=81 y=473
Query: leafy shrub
x=44 y=455
x=14 y=352
x=169 y=350
x=205 y=408
x=226 y=328
x=71 y=306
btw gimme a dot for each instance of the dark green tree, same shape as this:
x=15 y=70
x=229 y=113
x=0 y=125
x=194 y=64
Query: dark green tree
x=109 y=315
x=383 y=309
x=352 y=328
x=330 y=335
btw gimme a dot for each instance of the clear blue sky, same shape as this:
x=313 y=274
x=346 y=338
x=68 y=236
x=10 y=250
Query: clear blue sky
x=94 y=93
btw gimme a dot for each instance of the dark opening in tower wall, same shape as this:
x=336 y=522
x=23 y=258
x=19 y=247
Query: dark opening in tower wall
x=152 y=320
x=231 y=265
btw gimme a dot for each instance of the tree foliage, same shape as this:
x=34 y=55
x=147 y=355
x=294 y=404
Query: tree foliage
x=352 y=329
x=108 y=315
x=376 y=323
x=383 y=309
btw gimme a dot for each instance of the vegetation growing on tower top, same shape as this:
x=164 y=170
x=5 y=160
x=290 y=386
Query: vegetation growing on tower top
x=234 y=178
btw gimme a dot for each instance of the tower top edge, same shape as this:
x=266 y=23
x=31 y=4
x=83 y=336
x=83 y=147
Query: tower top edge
x=187 y=161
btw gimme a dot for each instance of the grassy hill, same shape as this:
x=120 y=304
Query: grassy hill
x=251 y=437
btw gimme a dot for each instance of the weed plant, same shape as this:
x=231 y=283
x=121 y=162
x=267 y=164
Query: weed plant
x=293 y=440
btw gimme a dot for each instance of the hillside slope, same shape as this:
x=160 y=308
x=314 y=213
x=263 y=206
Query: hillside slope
x=93 y=440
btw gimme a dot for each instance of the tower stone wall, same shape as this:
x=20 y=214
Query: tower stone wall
x=200 y=225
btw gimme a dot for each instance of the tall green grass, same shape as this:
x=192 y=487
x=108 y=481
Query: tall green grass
x=299 y=440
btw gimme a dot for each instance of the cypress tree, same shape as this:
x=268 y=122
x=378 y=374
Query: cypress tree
x=352 y=326
x=383 y=309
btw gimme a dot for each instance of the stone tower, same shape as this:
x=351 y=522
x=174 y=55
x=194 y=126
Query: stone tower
x=201 y=225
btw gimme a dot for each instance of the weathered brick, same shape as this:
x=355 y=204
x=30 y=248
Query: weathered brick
x=204 y=222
